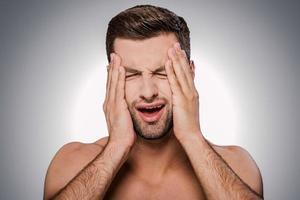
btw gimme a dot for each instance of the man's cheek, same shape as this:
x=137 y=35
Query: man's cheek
x=127 y=93
x=130 y=92
x=165 y=91
x=166 y=88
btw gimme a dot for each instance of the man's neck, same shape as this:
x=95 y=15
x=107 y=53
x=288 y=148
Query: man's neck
x=154 y=158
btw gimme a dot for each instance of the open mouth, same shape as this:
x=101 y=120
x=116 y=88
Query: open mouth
x=151 y=109
x=151 y=113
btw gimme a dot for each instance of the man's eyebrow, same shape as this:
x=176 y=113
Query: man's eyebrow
x=160 y=69
x=131 y=70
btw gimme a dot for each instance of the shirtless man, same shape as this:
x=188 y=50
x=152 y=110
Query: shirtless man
x=155 y=148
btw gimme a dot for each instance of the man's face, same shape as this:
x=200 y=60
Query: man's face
x=147 y=90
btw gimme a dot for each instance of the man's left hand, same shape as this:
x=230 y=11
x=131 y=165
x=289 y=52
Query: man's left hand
x=184 y=94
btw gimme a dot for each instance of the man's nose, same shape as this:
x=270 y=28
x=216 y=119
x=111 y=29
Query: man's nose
x=149 y=90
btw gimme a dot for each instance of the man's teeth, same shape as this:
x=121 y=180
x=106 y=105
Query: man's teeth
x=153 y=107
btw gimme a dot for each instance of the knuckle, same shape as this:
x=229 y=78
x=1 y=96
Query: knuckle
x=193 y=96
x=196 y=94
x=190 y=97
x=172 y=78
x=104 y=106
x=176 y=58
x=108 y=106
x=183 y=54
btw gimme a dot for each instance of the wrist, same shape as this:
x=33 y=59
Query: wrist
x=121 y=143
x=191 y=136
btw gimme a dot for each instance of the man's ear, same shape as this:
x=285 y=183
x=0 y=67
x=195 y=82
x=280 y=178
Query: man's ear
x=192 y=66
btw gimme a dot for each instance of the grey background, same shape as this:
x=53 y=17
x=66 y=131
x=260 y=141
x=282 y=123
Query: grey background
x=46 y=47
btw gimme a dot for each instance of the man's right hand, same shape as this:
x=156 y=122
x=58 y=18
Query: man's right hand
x=85 y=171
x=118 y=119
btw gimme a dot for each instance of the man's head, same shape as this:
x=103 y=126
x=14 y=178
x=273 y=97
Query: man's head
x=141 y=36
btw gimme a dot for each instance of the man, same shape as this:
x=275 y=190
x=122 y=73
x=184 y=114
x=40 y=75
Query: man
x=155 y=148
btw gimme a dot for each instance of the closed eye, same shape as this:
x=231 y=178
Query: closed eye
x=161 y=75
x=132 y=75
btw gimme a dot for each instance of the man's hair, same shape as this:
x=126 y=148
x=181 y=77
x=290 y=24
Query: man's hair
x=145 y=21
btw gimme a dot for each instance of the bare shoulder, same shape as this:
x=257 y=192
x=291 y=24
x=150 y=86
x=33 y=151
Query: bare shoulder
x=68 y=162
x=242 y=163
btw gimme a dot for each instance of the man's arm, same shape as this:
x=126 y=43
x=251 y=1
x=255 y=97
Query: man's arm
x=219 y=181
x=217 y=178
x=93 y=180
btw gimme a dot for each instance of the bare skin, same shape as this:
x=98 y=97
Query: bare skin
x=180 y=165
x=138 y=179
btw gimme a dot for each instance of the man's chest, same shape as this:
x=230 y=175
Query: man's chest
x=175 y=187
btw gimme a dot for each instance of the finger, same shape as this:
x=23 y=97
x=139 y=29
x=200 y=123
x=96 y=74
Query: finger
x=108 y=80
x=184 y=60
x=120 y=92
x=175 y=88
x=189 y=69
x=114 y=78
x=109 y=70
x=179 y=72
x=117 y=63
x=193 y=73
x=184 y=64
x=181 y=56
x=192 y=64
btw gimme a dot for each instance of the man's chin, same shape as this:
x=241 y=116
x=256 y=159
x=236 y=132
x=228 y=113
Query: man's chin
x=151 y=131
x=152 y=136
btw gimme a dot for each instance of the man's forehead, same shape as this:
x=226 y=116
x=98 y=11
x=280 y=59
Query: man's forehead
x=144 y=55
x=163 y=38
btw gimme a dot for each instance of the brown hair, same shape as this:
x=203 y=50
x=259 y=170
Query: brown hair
x=146 y=21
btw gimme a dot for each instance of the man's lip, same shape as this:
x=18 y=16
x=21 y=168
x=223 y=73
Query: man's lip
x=150 y=105
x=151 y=117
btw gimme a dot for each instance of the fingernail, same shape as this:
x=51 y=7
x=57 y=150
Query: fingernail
x=173 y=52
x=183 y=51
x=177 y=45
x=111 y=57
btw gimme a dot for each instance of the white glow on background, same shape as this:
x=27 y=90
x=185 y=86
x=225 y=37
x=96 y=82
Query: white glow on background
x=217 y=113
x=88 y=120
